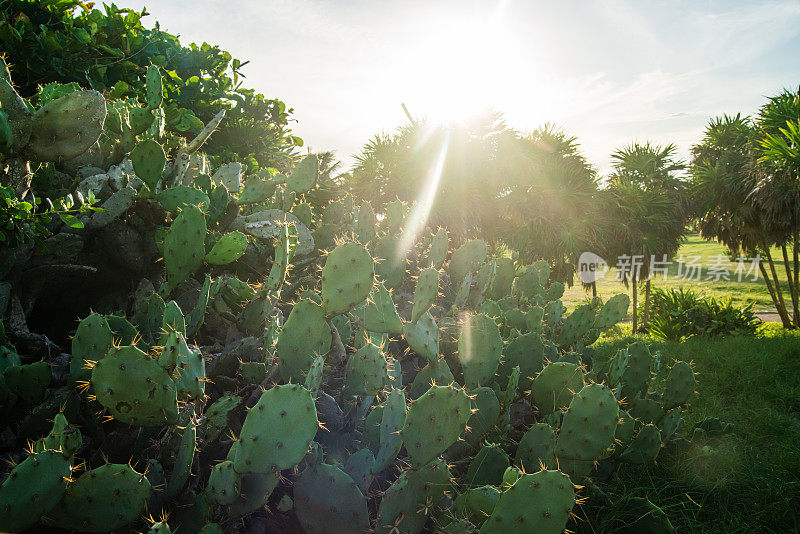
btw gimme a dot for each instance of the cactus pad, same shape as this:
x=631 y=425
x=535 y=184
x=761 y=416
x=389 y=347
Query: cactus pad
x=32 y=488
x=305 y=335
x=406 y=505
x=679 y=385
x=346 y=278
x=434 y=422
x=277 y=431
x=184 y=245
x=90 y=343
x=466 y=259
x=366 y=372
x=134 y=388
x=103 y=499
x=425 y=292
x=479 y=350
x=66 y=127
x=325 y=496
x=423 y=337
x=554 y=387
x=379 y=313
x=541 y=503
x=148 y=159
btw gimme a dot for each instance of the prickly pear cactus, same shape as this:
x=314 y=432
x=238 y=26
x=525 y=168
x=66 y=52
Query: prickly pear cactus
x=541 y=502
x=587 y=430
x=103 y=499
x=554 y=387
x=407 y=504
x=536 y=449
x=479 y=349
x=223 y=483
x=184 y=245
x=346 y=278
x=228 y=249
x=305 y=335
x=393 y=419
x=466 y=259
x=379 y=313
x=67 y=127
x=325 y=495
x=487 y=467
x=32 y=488
x=277 y=431
x=423 y=337
x=425 y=292
x=434 y=422
x=367 y=372
x=134 y=388
x=148 y=159
x=89 y=344
x=679 y=385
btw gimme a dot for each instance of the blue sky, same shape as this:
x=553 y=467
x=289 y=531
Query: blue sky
x=608 y=72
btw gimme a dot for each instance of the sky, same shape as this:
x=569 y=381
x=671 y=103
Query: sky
x=609 y=72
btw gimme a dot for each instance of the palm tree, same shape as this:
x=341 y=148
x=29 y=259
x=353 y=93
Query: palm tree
x=547 y=199
x=331 y=183
x=730 y=192
x=644 y=210
x=402 y=164
x=777 y=193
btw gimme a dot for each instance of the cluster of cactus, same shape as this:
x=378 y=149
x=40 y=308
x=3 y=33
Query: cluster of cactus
x=370 y=386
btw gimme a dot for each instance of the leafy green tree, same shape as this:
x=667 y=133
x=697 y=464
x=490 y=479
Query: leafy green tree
x=547 y=198
x=461 y=160
x=747 y=197
x=643 y=212
x=109 y=50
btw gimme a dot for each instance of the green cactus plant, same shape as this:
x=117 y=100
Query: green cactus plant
x=277 y=431
x=479 y=349
x=134 y=388
x=346 y=278
x=33 y=488
x=103 y=499
x=540 y=502
x=324 y=495
x=304 y=336
x=434 y=422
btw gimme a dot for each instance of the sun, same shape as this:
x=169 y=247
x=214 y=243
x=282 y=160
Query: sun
x=464 y=65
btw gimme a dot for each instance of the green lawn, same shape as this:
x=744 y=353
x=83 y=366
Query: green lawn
x=744 y=292
x=744 y=481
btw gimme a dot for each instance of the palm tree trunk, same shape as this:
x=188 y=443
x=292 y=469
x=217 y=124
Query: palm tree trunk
x=780 y=304
x=789 y=280
x=634 y=325
x=796 y=269
x=646 y=318
x=784 y=320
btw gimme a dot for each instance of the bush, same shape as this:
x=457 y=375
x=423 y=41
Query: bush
x=679 y=313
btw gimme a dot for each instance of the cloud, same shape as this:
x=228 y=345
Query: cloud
x=609 y=73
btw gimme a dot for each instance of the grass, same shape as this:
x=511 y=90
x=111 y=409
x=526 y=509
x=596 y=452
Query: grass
x=746 y=480
x=742 y=292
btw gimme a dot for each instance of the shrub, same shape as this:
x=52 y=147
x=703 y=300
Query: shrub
x=679 y=313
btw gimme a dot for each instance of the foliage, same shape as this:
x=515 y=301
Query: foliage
x=109 y=50
x=680 y=313
x=747 y=190
x=320 y=410
x=21 y=222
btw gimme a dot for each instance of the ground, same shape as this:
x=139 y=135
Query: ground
x=723 y=283
x=746 y=480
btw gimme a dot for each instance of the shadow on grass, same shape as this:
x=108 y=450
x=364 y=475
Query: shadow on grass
x=746 y=480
